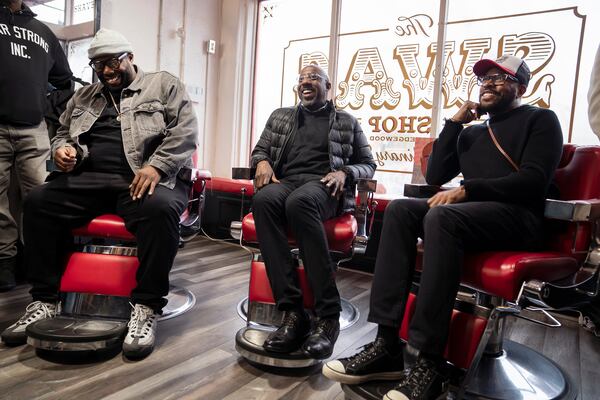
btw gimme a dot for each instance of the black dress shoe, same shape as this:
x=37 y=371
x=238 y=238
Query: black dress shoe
x=322 y=338
x=290 y=334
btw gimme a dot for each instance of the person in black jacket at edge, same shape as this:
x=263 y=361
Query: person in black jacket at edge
x=31 y=57
x=497 y=206
x=307 y=161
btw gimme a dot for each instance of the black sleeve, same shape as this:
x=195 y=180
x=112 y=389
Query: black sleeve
x=540 y=159
x=362 y=164
x=262 y=150
x=443 y=162
x=60 y=74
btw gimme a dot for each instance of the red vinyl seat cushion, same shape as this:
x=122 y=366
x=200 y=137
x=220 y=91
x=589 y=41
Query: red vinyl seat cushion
x=501 y=273
x=105 y=226
x=340 y=232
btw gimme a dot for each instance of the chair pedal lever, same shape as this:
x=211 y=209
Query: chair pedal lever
x=554 y=323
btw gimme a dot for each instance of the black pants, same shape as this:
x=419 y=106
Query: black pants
x=71 y=200
x=448 y=231
x=300 y=204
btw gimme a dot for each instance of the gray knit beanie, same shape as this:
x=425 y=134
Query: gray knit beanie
x=108 y=42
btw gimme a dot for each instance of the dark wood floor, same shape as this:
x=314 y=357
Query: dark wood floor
x=195 y=356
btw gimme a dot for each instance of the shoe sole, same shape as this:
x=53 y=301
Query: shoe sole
x=139 y=353
x=13 y=341
x=386 y=397
x=357 y=379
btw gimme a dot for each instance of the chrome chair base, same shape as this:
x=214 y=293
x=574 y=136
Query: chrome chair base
x=180 y=300
x=348 y=317
x=90 y=323
x=249 y=342
x=70 y=334
x=519 y=373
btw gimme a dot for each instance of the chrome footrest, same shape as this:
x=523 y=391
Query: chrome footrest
x=180 y=300
x=249 y=344
x=76 y=334
x=269 y=315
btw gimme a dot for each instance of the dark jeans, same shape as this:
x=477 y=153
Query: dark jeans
x=448 y=231
x=71 y=200
x=300 y=204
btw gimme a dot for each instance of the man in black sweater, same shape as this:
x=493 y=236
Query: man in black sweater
x=31 y=58
x=499 y=205
x=307 y=160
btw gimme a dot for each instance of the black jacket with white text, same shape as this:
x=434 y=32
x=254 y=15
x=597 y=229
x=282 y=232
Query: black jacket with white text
x=31 y=57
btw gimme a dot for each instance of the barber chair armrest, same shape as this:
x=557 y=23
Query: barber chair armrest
x=573 y=210
x=366 y=205
x=366 y=185
x=421 y=191
x=243 y=173
x=202 y=174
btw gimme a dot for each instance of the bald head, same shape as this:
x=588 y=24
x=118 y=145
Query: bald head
x=313 y=85
x=316 y=69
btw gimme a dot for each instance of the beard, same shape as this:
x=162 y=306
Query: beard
x=313 y=103
x=501 y=103
x=308 y=103
x=126 y=77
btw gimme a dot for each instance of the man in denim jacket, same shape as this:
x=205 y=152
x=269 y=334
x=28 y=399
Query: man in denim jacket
x=123 y=147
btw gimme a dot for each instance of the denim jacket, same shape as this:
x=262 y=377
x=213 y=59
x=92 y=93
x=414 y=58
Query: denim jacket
x=158 y=123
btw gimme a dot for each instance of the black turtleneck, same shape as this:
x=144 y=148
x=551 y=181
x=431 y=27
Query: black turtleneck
x=308 y=150
x=530 y=135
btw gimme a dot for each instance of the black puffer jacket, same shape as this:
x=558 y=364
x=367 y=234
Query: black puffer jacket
x=349 y=150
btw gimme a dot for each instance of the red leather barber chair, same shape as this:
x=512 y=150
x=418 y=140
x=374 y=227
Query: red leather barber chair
x=524 y=285
x=98 y=279
x=347 y=235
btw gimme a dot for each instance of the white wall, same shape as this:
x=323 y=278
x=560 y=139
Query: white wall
x=231 y=140
x=176 y=42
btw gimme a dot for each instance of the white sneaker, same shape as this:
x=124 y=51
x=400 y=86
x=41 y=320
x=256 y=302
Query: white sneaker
x=15 y=335
x=141 y=332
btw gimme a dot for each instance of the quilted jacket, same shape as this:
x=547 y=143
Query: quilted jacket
x=349 y=150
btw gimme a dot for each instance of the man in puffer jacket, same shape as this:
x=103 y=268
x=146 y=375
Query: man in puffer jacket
x=307 y=161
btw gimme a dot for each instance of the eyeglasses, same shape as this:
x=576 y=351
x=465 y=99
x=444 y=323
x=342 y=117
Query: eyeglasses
x=112 y=63
x=497 y=79
x=312 y=77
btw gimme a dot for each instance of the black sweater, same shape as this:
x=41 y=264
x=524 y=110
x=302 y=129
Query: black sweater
x=530 y=135
x=31 y=57
x=308 y=151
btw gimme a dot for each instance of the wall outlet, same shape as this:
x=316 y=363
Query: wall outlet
x=211 y=46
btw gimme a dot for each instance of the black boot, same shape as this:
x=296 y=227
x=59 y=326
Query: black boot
x=290 y=334
x=322 y=338
x=7 y=273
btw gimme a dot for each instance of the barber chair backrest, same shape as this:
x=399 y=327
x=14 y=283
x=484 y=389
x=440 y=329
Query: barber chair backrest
x=424 y=158
x=577 y=178
x=578 y=172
